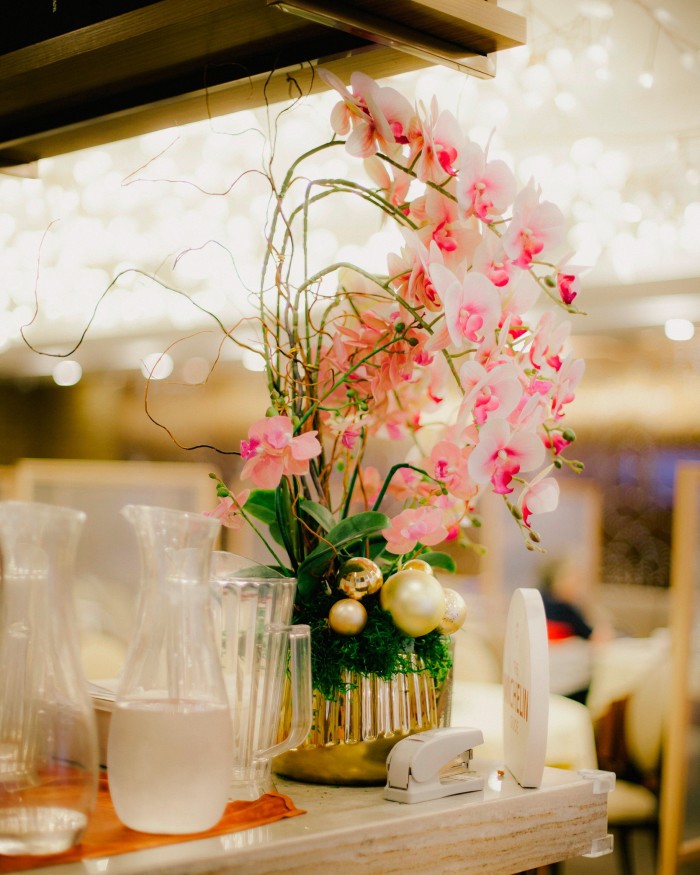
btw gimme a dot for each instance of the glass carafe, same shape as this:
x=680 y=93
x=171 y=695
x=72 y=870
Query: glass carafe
x=258 y=646
x=170 y=746
x=48 y=739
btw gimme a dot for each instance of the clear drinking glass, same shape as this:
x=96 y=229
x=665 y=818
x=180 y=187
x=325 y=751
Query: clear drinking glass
x=48 y=738
x=170 y=746
x=258 y=647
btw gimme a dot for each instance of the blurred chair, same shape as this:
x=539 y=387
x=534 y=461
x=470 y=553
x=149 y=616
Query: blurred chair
x=475 y=658
x=629 y=739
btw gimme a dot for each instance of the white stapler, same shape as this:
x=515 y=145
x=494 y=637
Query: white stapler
x=433 y=764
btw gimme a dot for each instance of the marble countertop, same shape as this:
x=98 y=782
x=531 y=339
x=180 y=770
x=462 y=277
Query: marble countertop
x=500 y=829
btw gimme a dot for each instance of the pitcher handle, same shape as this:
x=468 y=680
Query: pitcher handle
x=300 y=666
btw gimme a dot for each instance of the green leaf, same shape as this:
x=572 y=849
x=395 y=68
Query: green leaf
x=319 y=513
x=307 y=583
x=261 y=505
x=443 y=561
x=254 y=572
x=356 y=528
x=287 y=527
x=376 y=548
x=276 y=534
x=349 y=531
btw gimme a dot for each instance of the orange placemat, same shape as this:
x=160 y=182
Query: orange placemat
x=106 y=835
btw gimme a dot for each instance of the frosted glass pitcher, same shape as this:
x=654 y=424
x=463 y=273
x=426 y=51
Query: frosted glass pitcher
x=48 y=738
x=258 y=646
x=169 y=751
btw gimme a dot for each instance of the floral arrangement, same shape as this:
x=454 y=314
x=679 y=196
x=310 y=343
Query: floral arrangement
x=455 y=351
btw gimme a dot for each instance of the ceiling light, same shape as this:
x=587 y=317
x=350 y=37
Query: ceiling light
x=157 y=366
x=631 y=212
x=196 y=370
x=597 y=54
x=566 y=101
x=586 y=150
x=600 y=9
x=663 y=16
x=646 y=79
x=67 y=373
x=679 y=329
x=560 y=58
x=688 y=60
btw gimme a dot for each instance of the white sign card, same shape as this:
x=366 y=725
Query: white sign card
x=526 y=688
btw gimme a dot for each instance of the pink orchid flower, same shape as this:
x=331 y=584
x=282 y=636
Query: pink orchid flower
x=502 y=453
x=486 y=188
x=519 y=296
x=533 y=408
x=568 y=281
x=568 y=379
x=228 y=510
x=535 y=229
x=435 y=141
x=541 y=497
x=395 y=185
x=557 y=442
x=548 y=343
x=496 y=391
x=410 y=271
x=448 y=464
x=377 y=117
x=453 y=511
x=272 y=451
x=491 y=260
x=472 y=306
x=415 y=525
x=406 y=484
x=443 y=225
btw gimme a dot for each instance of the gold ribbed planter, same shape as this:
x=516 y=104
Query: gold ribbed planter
x=353 y=733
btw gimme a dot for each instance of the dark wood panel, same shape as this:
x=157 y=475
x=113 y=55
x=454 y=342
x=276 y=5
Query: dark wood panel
x=160 y=62
x=34 y=21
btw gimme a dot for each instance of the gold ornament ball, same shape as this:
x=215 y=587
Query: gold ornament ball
x=415 y=600
x=359 y=577
x=417 y=565
x=347 y=617
x=455 y=612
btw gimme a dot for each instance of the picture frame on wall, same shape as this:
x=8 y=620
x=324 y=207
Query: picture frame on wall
x=572 y=535
x=107 y=568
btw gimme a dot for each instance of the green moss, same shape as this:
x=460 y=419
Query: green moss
x=380 y=649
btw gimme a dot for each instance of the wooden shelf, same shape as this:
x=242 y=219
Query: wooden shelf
x=171 y=62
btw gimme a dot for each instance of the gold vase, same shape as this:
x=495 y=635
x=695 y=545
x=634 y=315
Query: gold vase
x=352 y=734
